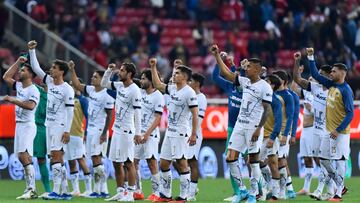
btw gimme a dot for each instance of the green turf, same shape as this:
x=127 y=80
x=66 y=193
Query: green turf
x=210 y=191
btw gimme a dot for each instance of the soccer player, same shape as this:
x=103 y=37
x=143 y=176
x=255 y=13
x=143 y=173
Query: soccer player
x=197 y=81
x=272 y=129
x=182 y=103
x=339 y=113
x=26 y=101
x=152 y=107
x=59 y=115
x=127 y=128
x=256 y=102
x=98 y=122
x=234 y=102
x=319 y=105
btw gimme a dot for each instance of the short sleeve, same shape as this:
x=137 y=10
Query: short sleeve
x=47 y=79
x=136 y=98
x=308 y=97
x=34 y=95
x=240 y=81
x=69 y=97
x=202 y=106
x=267 y=93
x=116 y=85
x=160 y=103
x=191 y=99
x=88 y=90
x=17 y=85
x=109 y=102
x=169 y=89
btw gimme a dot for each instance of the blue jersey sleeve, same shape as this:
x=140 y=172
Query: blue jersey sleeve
x=277 y=111
x=112 y=93
x=348 y=100
x=315 y=74
x=225 y=85
x=296 y=114
x=84 y=105
x=290 y=111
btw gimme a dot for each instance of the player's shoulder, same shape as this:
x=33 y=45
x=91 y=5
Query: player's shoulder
x=201 y=96
x=158 y=94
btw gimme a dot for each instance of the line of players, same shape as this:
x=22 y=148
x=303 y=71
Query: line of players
x=136 y=134
x=266 y=126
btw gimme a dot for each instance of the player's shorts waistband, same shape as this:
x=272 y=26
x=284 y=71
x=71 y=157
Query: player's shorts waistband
x=23 y=121
x=318 y=128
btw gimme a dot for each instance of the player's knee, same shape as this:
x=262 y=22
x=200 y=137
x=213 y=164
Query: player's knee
x=164 y=165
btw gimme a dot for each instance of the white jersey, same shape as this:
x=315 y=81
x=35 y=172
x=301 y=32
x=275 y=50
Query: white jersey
x=254 y=94
x=308 y=99
x=98 y=103
x=319 y=105
x=30 y=93
x=151 y=104
x=201 y=113
x=127 y=100
x=179 y=106
x=58 y=97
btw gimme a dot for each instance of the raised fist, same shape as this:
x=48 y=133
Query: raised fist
x=112 y=66
x=152 y=62
x=297 y=55
x=22 y=59
x=244 y=63
x=71 y=65
x=310 y=51
x=32 y=44
x=214 y=49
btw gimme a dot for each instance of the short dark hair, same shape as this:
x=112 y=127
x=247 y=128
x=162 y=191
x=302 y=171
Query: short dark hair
x=100 y=72
x=275 y=80
x=290 y=78
x=326 y=68
x=198 y=78
x=256 y=61
x=341 y=66
x=147 y=73
x=186 y=70
x=282 y=75
x=62 y=65
x=130 y=68
x=28 y=66
x=137 y=81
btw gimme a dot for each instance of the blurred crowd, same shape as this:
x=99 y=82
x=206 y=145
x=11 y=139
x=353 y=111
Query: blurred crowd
x=332 y=27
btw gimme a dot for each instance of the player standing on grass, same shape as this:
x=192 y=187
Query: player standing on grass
x=257 y=97
x=127 y=128
x=339 y=113
x=152 y=106
x=182 y=103
x=26 y=101
x=59 y=115
x=197 y=81
x=99 y=117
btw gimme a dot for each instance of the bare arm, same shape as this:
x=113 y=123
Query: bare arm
x=29 y=105
x=224 y=70
x=107 y=124
x=297 y=74
x=194 y=125
x=9 y=74
x=155 y=77
x=153 y=126
x=76 y=83
x=265 y=114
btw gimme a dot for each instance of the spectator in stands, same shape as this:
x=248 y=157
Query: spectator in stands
x=330 y=54
x=267 y=11
x=140 y=58
x=255 y=45
x=255 y=16
x=4 y=15
x=206 y=10
x=203 y=37
x=357 y=40
x=271 y=46
x=135 y=34
x=179 y=51
x=39 y=12
x=153 y=30
x=288 y=30
x=104 y=36
x=90 y=39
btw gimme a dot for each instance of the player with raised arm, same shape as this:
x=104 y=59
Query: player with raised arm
x=26 y=101
x=127 y=128
x=59 y=115
x=339 y=113
x=98 y=123
x=197 y=81
x=179 y=135
x=257 y=97
x=152 y=107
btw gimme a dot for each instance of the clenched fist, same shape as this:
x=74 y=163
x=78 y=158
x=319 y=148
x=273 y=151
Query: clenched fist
x=112 y=66
x=32 y=44
x=71 y=65
x=177 y=62
x=214 y=49
x=310 y=51
x=152 y=62
x=297 y=55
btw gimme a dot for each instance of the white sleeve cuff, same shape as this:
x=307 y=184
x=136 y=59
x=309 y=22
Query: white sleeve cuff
x=311 y=58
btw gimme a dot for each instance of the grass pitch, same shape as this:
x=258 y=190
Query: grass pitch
x=211 y=190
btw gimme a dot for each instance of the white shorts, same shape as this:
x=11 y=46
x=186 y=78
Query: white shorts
x=93 y=143
x=335 y=149
x=316 y=141
x=195 y=149
x=75 y=149
x=24 y=137
x=148 y=150
x=174 y=148
x=265 y=152
x=284 y=150
x=240 y=140
x=53 y=138
x=306 y=142
x=122 y=146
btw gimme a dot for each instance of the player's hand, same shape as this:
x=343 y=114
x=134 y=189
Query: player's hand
x=292 y=141
x=84 y=138
x=111 y=66
x=145 y=138
x=297 y=55
x=283 y=140
x=153 y=62
x=21 y=59
x=310 y=51
x=334 y=134
x=65 y=138
x=137 y=139
x=301 y=69
x=255 y=135
x=192 y=140
x=71 y=65
x=263 y=70
x=224 y=56
x=270 y=143
x=214 y=49
x=244 y=63
x=32 y=44
x=103 y=138
x=177 y=62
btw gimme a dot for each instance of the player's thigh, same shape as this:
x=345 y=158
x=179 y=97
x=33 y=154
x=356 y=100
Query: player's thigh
x=179 y=147
x=151 y=148
x=253 y=147
x=75 y=149
x=306 y=143
x=237 y=140
x=24 y=138
x=40 y=142
x=55 y=134
x=194 y=150
x=343 y=146
x=165 y=152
